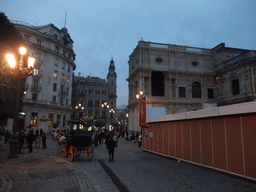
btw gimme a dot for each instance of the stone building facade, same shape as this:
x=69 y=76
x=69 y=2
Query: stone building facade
x=92 y=92
x=48 y=89
x=182 y=78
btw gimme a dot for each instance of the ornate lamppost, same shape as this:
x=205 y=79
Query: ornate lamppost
x=105 y=106
x=111 y=111
x=79 y=107
x=21 y=71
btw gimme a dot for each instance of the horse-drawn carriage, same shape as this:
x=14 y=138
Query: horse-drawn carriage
x=77 y=142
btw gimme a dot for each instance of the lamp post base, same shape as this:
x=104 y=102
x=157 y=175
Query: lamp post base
x=14 y=147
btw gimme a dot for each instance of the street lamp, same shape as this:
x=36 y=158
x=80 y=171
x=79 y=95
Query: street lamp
x=111 y=111
x=79 y=107
x=105 y=106
x=21 y=72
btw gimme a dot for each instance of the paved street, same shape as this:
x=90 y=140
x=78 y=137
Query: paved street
x=132 y=170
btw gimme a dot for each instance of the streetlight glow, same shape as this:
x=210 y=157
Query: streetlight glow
x=10 y=58
x=31 y=62
x=23 y=50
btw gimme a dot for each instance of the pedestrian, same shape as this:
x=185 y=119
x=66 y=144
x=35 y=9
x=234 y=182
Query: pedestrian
x=99 y=138
x=7 y=137
x=44 y=140
x=21 y=140
x=41 y=132
x=111 y=144
x=30 y=138
x=140 y=140
x=95 y=140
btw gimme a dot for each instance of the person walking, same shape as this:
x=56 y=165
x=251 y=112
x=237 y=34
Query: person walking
x=30 y=138
x=21 y=140
x=7 y=137
x=140 y=140
x=44 y=140
x=96 y=140
x=111 y=144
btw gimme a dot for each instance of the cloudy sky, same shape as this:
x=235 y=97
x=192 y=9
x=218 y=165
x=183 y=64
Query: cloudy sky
x=101 y=28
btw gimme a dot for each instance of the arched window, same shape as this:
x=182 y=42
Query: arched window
x=97 y=103
x=90 y=103
x=97 y=113
x=196 y=90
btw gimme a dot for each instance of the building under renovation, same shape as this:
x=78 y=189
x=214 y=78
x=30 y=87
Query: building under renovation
x=182 y=78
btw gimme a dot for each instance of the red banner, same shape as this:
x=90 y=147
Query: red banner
x=142 y=111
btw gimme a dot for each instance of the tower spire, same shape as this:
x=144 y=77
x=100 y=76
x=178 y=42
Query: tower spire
x=65 y=19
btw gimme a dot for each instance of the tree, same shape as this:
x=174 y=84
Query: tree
x=10 y=41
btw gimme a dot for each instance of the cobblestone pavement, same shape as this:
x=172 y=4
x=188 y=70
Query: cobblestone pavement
x=132 y=170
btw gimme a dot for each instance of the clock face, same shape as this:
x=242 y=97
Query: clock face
x=159 y=60
x=194 y=63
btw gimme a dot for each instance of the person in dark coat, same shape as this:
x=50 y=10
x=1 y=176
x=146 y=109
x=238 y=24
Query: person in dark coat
x=44 y=140
x=111 y=144
x=21 y=140
x=7 y=136
x=30 y=138
x=96 y=140
x=41 y=132
x=99 y=138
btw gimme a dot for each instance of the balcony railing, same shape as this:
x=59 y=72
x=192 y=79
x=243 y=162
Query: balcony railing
x=61 y=92
x=35 y=88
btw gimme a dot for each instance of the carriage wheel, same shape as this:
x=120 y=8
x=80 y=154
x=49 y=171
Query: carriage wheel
x=64 y=151
x=90 y=153
x=37 y=142
x=71 y=153
x=25 y=144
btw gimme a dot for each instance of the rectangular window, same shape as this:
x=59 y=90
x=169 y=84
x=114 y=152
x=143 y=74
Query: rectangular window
x=66 y=101
x=67 y=79
x=63 y=66
x=67 y=90
x=33 y=120
x=61 y=100
x=217 y=80
x=182 y=92
x=36 y=72
x=235 y=87
x=54 y=86
x=210 y=93
x=35 y=84
x=55 y=74
x=63 y=76
x=57 y=49
x=55 y=36
x=50 y=120
x=54 y=99
x=56 y=62
x=34 y=96
x=58 y=120
x=64 y=53
x=39 y=42
x=64 y=121
x=68 y=69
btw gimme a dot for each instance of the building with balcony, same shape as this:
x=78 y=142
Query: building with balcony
x=92 y=92
x=182 y=78
x=48 y=89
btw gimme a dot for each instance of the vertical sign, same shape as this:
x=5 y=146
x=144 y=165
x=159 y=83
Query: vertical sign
x=142 y=111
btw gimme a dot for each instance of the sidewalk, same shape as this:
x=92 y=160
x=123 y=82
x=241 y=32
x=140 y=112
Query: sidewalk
x=41 y=170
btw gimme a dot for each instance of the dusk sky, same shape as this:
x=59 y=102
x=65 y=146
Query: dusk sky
x=103 y=28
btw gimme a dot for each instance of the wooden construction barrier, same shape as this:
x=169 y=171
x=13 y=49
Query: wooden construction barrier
x=223 y=139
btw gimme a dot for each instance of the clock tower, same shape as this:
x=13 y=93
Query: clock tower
x=111 y=82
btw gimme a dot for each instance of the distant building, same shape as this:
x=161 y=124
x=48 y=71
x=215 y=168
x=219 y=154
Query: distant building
x=92 y=92
x=183 y=78
x=48 y=89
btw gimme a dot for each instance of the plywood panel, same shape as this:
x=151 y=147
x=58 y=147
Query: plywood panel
x=165 y=138
x=219 y=151
x=160 y=138
x=186 y=140
x=155 y=137
x=195 y=140
x=234 y=145
x=249 y=138
x=171 y=139
x=178 y=133
x=151 y=138
x=206 y=142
